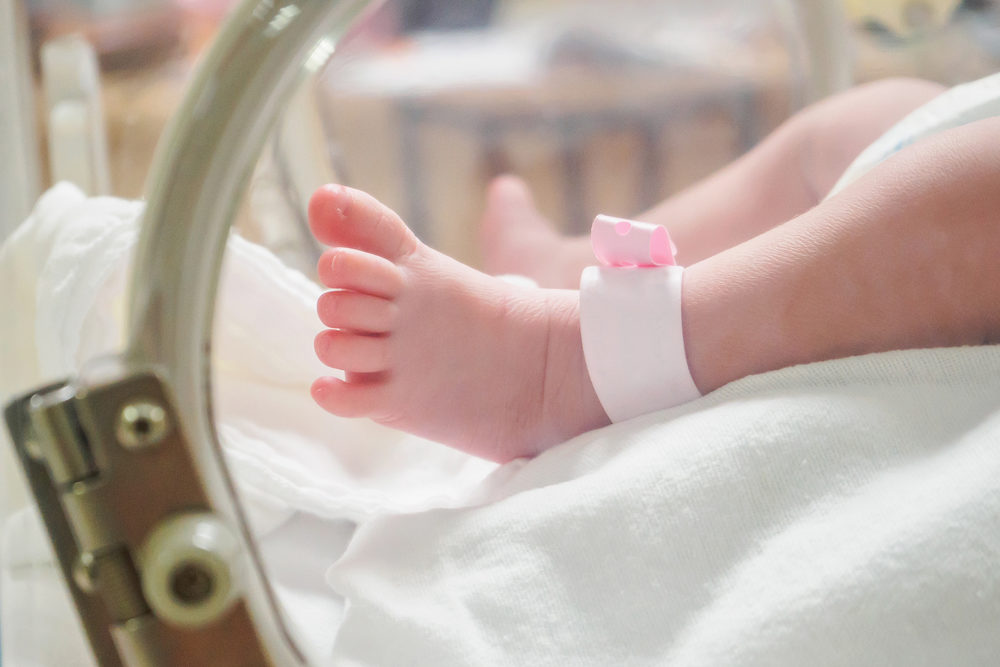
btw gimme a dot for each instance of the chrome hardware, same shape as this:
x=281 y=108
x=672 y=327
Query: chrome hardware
x=154 y=572
x=142 y=424
x=186 y=566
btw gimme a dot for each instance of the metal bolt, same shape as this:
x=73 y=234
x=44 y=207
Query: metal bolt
x=142 y=424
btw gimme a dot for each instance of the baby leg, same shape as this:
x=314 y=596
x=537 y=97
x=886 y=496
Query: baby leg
x=906 y=257
x=903 y=258
x=784 y=176
x=438 y=349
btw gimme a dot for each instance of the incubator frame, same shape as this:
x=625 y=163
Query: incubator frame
x=158 y=559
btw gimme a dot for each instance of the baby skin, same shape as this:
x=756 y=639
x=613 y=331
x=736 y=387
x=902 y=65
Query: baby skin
x=805 y=156
x=903 y=258
x=435 y=348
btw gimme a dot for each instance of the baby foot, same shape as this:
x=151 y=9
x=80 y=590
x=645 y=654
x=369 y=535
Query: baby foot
x=435 y=348
x=518 y=239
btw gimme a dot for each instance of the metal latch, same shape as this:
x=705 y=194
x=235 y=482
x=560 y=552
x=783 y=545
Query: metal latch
x=153 y=571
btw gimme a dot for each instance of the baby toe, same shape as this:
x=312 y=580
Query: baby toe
x=356 y=312
x=347 y=399
x=342 y=216
x=349 y=269
x=352 y=352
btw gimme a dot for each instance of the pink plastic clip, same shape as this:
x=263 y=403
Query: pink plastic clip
x=620 y=242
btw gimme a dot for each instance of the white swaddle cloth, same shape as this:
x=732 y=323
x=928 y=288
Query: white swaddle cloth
x=840 y=513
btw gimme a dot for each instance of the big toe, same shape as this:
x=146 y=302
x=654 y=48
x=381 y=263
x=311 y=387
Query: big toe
x=342 y=216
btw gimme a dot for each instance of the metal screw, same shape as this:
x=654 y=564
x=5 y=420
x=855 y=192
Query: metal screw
x=142 y=424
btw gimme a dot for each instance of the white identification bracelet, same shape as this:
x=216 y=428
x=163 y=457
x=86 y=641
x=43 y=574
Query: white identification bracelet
x=630 y=320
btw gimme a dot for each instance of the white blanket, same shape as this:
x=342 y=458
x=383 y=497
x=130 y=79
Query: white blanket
x=845 y=513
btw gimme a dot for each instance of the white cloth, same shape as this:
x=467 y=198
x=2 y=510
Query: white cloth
x=844 y=513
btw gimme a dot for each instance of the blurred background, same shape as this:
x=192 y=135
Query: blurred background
x=599 y=105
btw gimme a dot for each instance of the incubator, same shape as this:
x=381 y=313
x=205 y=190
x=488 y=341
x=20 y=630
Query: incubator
x=601 y=104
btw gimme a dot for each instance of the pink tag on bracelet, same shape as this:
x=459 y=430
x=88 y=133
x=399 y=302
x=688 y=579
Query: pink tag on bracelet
x=622 y=243
x=630 y=321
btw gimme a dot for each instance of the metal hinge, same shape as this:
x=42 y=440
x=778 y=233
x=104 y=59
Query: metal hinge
x=154 y=573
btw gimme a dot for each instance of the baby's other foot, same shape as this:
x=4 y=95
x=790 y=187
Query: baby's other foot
x=518 y=239
x=435 y=348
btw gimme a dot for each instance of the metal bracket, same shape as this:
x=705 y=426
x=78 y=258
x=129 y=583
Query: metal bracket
x=154 y=572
